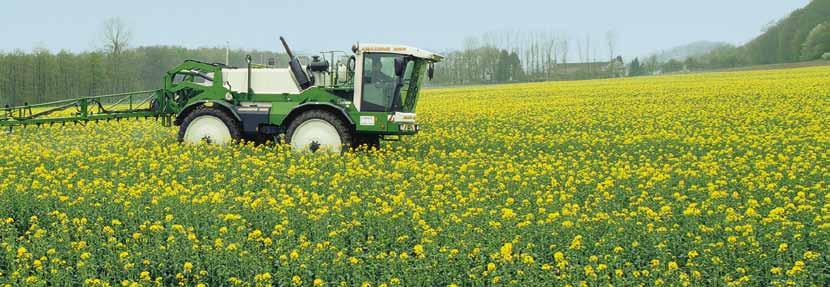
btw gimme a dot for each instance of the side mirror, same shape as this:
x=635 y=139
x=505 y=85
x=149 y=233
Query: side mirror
x=351 y=64
x=431 y=71
x=400 y=65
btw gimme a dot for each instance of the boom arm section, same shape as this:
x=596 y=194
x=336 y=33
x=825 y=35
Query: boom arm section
x=107 y=107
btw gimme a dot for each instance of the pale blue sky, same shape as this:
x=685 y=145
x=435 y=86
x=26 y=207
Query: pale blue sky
x=642 y=26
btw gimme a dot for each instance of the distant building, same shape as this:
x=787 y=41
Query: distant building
x=615 y=68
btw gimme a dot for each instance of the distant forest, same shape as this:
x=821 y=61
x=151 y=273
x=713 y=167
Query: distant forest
x=804 y=35
x=41 y=76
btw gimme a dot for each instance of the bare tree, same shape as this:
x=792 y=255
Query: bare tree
x=116 y=35
x=611 y=38
x=588 y=51
x=565 y=47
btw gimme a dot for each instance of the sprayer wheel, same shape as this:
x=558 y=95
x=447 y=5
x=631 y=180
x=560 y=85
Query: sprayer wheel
x=319 y=130
x=209 y=125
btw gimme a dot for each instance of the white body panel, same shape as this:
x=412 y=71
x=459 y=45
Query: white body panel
x=399 y=49
x=263 y=81
x=358 y=81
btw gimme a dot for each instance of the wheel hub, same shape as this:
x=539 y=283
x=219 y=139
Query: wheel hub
x=316 y=135
x=314 y=146
x=207 y=129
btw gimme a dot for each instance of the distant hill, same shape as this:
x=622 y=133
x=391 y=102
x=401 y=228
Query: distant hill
x=695 y=49
x=804 y=35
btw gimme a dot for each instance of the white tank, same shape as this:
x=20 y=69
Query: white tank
x=263 y=81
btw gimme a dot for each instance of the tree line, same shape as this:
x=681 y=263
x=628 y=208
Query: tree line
x=42 y=76
x=510 y=56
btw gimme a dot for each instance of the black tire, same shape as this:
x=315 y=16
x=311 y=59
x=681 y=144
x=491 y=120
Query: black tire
x=227 y=119
x=369 y=141
x=342 y=127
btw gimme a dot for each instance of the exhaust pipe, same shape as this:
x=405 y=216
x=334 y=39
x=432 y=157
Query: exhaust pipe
x=296 y=68
x=248 y=59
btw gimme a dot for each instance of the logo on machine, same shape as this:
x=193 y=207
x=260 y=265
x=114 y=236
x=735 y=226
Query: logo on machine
x=367 y=120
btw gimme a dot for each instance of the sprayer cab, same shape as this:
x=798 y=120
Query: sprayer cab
x=388 y=78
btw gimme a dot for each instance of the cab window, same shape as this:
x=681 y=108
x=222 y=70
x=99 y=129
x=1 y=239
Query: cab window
x=379 y=81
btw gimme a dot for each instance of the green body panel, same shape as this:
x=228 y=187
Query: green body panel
x=279 y=111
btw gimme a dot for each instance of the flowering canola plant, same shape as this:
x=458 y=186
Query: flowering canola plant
x=704 y=179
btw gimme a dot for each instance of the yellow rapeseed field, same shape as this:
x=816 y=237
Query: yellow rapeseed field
x=709 y=179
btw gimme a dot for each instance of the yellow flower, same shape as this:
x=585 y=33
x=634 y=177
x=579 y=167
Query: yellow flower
x=419 y=250
x=263 y=277
x=558 y=256
x=655 y=262
x=797 y=268
x=506 y=251
x=692 y=254
x=775 y=270
x=528 y=259
x=810 y=255
x=576 y=243
x=589 y=271
x=188 y=267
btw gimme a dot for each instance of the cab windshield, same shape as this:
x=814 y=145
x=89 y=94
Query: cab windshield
x=383 y=91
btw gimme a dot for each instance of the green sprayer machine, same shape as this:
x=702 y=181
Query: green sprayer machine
x=367 y=96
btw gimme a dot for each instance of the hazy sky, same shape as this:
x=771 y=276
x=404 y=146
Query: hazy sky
x=642 y=26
